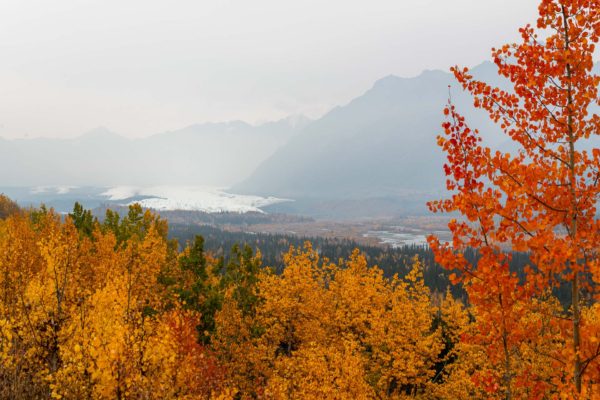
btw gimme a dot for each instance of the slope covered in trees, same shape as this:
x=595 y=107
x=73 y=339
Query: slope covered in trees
x=113 y=310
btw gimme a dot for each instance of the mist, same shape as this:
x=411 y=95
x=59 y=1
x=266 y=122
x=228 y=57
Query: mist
x=144 y=67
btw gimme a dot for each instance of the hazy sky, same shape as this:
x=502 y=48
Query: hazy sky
x=144 y=66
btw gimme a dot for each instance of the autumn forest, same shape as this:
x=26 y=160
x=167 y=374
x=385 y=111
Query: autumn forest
x=115 y=308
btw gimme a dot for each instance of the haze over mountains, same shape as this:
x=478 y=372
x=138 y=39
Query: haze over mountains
x=375 y=156
x=215 y=154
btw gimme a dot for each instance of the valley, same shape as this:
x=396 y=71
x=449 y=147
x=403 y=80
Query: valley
x=201 y=206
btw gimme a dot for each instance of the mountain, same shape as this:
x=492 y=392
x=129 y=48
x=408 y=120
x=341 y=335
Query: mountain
x=380 y=147
x=216 y=154
x=377 y=155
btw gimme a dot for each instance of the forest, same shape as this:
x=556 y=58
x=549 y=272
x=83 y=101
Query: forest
x=116 y=310
x=390 y=260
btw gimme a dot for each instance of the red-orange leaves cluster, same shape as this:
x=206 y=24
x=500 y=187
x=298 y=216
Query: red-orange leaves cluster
x=541 y=198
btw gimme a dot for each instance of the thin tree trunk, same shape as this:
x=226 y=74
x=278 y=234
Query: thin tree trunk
x=573 y=224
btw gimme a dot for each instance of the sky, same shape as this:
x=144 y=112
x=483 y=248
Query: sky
x=139 y=67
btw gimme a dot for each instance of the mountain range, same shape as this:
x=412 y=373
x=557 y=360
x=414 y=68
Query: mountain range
x=213 y=154
x=375 y=156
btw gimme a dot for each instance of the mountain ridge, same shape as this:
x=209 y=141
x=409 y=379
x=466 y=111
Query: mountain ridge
x=380 y=146
x=214 y=154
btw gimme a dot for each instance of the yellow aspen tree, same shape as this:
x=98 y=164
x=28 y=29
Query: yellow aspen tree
x=404 y=343
x=321 y=371
x=20 y=261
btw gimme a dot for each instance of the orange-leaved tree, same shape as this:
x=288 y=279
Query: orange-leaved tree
x=540 y=199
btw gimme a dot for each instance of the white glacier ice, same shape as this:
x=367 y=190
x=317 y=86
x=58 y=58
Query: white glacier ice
x=196 y=198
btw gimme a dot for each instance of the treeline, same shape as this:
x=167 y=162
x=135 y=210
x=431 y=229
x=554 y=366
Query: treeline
x=112 y=309
x=391 y=260
x=216 y=218
x=273 y=248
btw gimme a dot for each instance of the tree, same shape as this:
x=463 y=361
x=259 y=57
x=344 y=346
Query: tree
x=541 y=199
x=321 y=330
x=7 y=206
x=86 y=316
x=196 y=285
x=83 y=219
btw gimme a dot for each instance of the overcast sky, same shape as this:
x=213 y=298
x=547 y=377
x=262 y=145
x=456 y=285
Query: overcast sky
x=140 y=67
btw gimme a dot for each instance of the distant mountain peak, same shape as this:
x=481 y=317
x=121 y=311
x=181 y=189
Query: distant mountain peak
x=238 y=123
x=393 y=82
x=100 y=132
x=432 y=72
x=297 y=120
x=486 y=71
x=289 y=124
x=387 y=81
x=428 y=74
